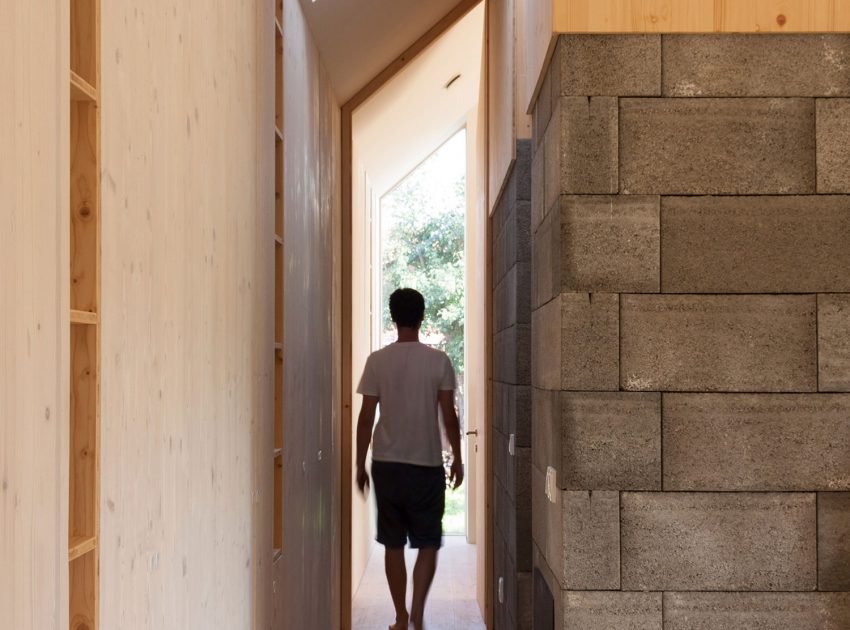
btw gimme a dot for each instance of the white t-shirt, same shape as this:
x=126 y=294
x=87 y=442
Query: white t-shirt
x=406 y=378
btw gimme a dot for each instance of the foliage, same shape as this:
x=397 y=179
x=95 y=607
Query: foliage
x=424 y=250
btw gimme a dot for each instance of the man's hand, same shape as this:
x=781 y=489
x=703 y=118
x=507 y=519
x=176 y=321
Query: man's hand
x=363 y=479
x=456 y=473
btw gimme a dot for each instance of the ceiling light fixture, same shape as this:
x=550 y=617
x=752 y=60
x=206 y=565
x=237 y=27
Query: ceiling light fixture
x=451 y=81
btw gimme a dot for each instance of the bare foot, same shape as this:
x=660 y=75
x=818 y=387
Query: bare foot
x=400 y=624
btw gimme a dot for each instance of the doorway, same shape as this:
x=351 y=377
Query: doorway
x=421 y=230
x=414 y=205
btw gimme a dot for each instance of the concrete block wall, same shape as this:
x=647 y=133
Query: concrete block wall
x=511 y=236
x=690 y=332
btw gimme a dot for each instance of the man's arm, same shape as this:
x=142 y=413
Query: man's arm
x=446 y=399
x=364 y=435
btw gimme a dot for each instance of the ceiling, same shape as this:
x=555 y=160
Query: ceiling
x=414 y=113
x=359 y=38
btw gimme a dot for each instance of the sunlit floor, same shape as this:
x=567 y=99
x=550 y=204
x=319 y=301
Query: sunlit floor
x=451 y=603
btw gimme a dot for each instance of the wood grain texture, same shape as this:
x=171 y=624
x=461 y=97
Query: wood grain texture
x=547 y=18
x=34 y=320
x=501 y=120
x=187 y=314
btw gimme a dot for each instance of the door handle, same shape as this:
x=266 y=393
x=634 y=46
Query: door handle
x=472 y=432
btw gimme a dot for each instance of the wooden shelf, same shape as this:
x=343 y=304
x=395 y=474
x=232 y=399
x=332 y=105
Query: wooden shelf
x=84 y=317
x=81 y=545
x=82 y=90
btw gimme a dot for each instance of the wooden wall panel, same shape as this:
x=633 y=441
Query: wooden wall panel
x=507 y=67
x=187 y=303
x=309 y=593
x=549 y=17
x=34 y=305
x=500 y=71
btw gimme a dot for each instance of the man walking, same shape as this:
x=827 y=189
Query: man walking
x=410 y=381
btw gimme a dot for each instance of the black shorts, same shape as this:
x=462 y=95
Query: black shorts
x=411 y=501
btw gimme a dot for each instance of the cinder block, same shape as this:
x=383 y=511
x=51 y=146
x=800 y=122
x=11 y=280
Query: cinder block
x=719 y=343
x=590 y=341
x=512 y=298
x=546 y=436
x=524 y=601
x=609 y=244
x=610 y=441
x=522 y=169
x=784 y=244
x=718 y=541
x=523 y=366
x=612 y=611
x=504 y=301
x=501 y=405
x=538 y=189
x=522 y=514
x=834 y=541
x=608 y=65
x=542 y=108
x=833 y=142
x=834 y=343
x=540 y=511
x=546 y=346
x=522 y=216
x=505 y=355
x=500 y=457
x=521 y=416
x=547 y=260
x=776 y=65
x=582 y=542
x=756 y=442
x=717 y=145
x=756 y=611
x=581 y=148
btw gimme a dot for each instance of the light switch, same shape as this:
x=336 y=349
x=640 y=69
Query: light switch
x=551 y=484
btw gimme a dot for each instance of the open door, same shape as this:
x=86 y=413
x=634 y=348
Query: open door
x=478 y=347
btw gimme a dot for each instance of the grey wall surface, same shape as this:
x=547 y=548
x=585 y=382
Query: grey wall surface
x=512 y=396
x=307 y=575
x=690 y=356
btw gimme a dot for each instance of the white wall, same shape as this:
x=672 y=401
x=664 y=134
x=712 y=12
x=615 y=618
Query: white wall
x=307 y=575
x=362 y=518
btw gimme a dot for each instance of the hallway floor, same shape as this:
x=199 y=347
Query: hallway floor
x=451 y=603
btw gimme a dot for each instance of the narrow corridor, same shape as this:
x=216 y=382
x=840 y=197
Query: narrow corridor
x=451 y=603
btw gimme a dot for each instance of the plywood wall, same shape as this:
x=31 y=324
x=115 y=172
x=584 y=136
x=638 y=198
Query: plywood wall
x=506 y=67
x=187 y=297
x=308 y=591
x=34 y=340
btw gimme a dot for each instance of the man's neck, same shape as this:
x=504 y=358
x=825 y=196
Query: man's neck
x=407 y=335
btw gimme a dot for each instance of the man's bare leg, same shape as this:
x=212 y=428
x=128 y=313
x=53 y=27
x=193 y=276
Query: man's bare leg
x=423 y=575
x=397 y=579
